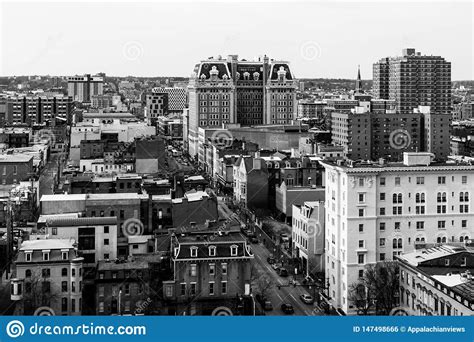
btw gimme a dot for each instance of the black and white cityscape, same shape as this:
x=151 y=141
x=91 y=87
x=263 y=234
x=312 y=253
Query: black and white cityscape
x=236 y=159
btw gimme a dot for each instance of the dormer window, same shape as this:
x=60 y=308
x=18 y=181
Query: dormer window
x=212 y=250
x=298 y=165
x=203 y=77
x=28 y=256
x=256 y=76
x=46 y=255
x=277 y=165
x=65 y=255
x=288 y=164
x=194 y=252
x=233 y=250
x=246 y=75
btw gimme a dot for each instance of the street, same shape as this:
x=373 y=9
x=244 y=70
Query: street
x=286 y=294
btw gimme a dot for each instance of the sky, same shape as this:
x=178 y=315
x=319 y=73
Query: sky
x=319 y=38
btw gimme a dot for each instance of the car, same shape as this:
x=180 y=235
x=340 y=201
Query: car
x=307 y=299
x=283 y=272
x=271 y=260
x=287 y=309
x=253 y=239
x=264 y=302
x=284 y=237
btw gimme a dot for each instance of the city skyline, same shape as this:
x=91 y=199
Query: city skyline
x=159 y=39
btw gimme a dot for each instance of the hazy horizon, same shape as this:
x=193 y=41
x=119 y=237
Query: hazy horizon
x=319 y=39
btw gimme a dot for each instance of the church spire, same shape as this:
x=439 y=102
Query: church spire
x=358 y=87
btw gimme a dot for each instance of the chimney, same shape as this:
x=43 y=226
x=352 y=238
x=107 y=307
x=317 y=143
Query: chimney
x=257 y=154
x=257 y=164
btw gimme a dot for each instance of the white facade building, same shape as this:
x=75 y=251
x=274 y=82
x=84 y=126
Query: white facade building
x=375 y=212
x=307 y=232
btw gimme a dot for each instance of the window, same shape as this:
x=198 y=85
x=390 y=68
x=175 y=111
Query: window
x=233 y=250
x=224 y=287
x=397 y=210
x=212 y=269
x=361 y=181
x=73 y=305
x=28 y=256
x=382 y=181
x=382 y=196
x=382 y=256
x=65 y=255
x=382 y=226
x=361 y=273
x=192 y=270
x=101 y=291
x=224 y=268
x=212 y=251
x=397 y=180
x=194 y=251
x=420 y=180
x=28 y=274
x=397 y=198
x=64 y=305
x=382 y=242
x=211 y=288
x=183 y=289
x=45 y=255
x=464 y=223
x=64 y=286
x=446 y=262
x=397 y=226
x=361 y=243
x=54 y=231
x=46 y=272
x=193 y=289
x=441 y=224
x=64 y=272
x=106 y=229
x=442 y=180
x=106 y=242
x=382 y=211
x=122 y=214
x=420 y=225
x=464 y=179
x=361 y=258
x=361 y=227
x=361 y=198
x=361 y=212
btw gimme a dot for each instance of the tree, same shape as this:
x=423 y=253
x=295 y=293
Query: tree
x=262 y=283
x=37 y=292
x=377 y=290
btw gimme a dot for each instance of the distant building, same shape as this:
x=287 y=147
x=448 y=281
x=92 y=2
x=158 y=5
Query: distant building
x=308 y=109
x=37 y=109
x=177 y=98
x=156 y=105
x=102 y=101
x=81 y=88
x=15 y=168
x=48 y=273
x=229 y=91
x=150 y=155
x=438 y=281
x=307 y=233
x=251 y=182
x=414 y=80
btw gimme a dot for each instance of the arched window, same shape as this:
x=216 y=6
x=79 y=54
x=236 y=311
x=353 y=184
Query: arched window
x=466 y=196
x=400 y=243
x=399 y=196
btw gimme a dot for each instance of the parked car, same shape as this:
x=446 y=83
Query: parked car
x=283 y=272
x=276 y=266
x=253 y=239
x=307 y=299
x=271 y=260
x=264 y=302
x=287 y=309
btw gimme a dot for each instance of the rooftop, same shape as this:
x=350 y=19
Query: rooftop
x=31 y=245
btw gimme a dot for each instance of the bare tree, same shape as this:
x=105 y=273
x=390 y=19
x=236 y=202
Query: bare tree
x=377 y=290
x=264 y=285
x=37 y=293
